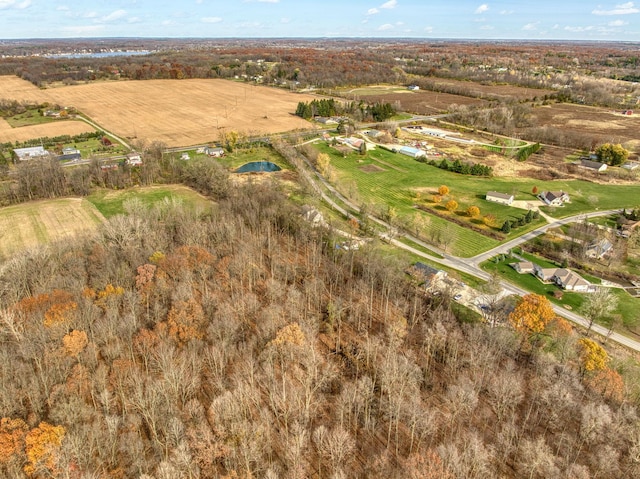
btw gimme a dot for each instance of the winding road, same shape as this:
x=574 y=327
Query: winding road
x=467 y=265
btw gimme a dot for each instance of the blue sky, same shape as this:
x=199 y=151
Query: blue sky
x=539 y=20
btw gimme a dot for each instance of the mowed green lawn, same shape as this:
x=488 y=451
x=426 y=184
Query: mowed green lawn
x=111 y=202
x=39 y=222
x=398 y=179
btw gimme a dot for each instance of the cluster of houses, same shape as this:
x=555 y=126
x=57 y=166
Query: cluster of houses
x=562 y=277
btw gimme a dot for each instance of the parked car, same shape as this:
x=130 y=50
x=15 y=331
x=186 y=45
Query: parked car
x=457 y=297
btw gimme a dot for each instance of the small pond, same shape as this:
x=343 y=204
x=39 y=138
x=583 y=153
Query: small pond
x=257 y=166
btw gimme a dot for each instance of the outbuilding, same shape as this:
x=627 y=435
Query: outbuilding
x=502 y=198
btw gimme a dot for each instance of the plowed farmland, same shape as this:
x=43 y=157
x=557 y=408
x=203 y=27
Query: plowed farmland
x=24 y=133
x=176 y=112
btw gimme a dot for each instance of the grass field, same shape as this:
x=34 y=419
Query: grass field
x=111 y=202
x=382 y=177
x=39 y=222
x=30 y=117
x=176 y=112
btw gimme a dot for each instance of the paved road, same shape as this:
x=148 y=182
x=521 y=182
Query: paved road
x=505 y=247
x=469 y=265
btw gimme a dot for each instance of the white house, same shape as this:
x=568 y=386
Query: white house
x=554 y=198
x=31 y=153
x=564 y=278
x=571 y=281
x=214 y=151
x=502 y=198
x=134 y=159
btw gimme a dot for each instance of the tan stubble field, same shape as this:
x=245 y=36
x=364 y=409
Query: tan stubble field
x=175 y=112
x=39 y=222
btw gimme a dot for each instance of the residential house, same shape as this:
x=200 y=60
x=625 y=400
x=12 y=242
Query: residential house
x=70 y=154
x=599 y=248
x=31 y=152
x=571 y=281
x=412 y=152
x=544 y=274
x=502 y=198
x=554 y=198
x=564 y=278
x=374 y=133
x=134 y=159
x=593 y=165
x=214 y=151
x=523 y=267
x=427 y=273
x=312 y=215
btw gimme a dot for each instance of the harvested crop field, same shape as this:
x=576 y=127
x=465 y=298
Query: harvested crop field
x=30 y=224
x=58 y=128
x=176 y=112
x=605 y=125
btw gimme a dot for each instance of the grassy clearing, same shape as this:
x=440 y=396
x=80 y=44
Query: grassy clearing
x=400 y=182
x=30 y=224
x=28 y=118
x=110 y=203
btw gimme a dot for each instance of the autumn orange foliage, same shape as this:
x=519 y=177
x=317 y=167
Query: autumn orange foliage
x=593 y=357
x=532 y=314
x=74 y=342
x=12 y=434
x=185 y=321
x=608 y=383
x=42 y=445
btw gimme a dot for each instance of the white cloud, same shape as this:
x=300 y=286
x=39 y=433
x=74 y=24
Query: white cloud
x=617 y=23
x=482 y=8
x=622 y=9
x=62 y=8
x=579 y=29
x=113 y=16
x=167 y=23
x=90 y=15
x=428 y=29
x=531 y=27
x=133 y=20
x=386 y=5
x=211 y=19
x=80 y=30
x=285 y=20
x=386 y=26
x=507 y=12
x=399 y=23
x=6 y=4
x=486 y=27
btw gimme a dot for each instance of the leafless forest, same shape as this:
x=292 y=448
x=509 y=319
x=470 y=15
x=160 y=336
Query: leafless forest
x=240 y=344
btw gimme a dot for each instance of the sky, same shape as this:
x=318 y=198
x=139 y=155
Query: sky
x=463 y=19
